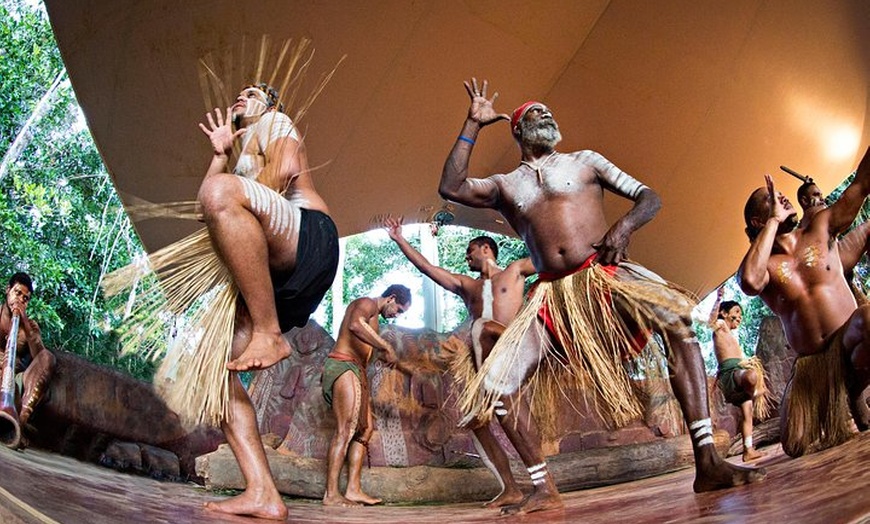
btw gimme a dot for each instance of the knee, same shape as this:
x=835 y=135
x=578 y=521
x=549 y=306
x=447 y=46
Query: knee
x=45 y=361
x=749 y=379
x=344 y=432
x=216 y=193
x=365 y=434
x=491 y=331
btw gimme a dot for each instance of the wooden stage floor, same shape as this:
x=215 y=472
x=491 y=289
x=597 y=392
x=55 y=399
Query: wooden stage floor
x=830 y=487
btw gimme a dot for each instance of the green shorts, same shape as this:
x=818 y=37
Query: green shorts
x=728 y=384
x=332 y=369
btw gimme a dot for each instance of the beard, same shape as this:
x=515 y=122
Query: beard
x=543 y=133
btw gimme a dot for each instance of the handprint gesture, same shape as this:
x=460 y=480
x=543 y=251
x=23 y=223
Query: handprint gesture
x=220 y=132
x=481 y=110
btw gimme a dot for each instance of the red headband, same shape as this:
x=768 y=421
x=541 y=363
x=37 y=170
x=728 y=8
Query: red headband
x=520 y=111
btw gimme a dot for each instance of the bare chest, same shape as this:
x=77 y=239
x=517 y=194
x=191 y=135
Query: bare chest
x=546 y=181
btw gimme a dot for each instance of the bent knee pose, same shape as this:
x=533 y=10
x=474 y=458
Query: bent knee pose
x=798 y=272
x=34 y=364
x=554 y=201
x=740 y=379
x=345 y=389
x=492 y=300
x=264 y=218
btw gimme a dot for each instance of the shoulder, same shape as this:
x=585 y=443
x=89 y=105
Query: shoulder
x=362 y=304
x=720 y=325
x=275 y=125
x=521 y=268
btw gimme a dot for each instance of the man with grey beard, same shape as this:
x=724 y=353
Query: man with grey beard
x=592 y=309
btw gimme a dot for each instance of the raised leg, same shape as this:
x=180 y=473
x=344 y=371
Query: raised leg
x=244 y=235
x=36 y=379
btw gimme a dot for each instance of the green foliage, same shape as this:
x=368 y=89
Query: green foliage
x=60 y=217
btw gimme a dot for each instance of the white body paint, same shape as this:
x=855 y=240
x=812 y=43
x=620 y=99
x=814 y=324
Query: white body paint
x=284 y=215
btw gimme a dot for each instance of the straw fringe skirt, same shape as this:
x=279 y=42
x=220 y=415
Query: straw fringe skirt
x=817 y=402
x=594 y=353
x=761 y=402
x=183 y=290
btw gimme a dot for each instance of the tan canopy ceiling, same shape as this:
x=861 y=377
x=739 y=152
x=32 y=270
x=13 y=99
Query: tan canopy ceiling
x=696 y=99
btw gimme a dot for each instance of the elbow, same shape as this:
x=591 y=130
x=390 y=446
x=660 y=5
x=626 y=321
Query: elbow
x=651 y=200
x=750 y=286
x=446 y=192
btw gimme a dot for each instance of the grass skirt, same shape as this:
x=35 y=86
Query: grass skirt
x=818 y=414
x=596 y=316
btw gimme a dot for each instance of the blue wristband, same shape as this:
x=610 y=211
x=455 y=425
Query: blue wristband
x=466 y=139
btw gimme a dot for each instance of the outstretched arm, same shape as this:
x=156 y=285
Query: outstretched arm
x=714 y=313
x=455 y=184
x=752 y=274
x=853 y=246
x=845 y=209
x=449 y=281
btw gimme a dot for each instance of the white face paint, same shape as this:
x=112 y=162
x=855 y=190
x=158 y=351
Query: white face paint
x=256 y=102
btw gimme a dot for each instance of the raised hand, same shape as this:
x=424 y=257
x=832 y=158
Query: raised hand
x=393 y=225
x=220 y=132
x=481 y=110
x=777 y=209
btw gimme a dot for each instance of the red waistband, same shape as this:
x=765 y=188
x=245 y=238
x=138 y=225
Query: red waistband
x=548 y=276
x=346 y=358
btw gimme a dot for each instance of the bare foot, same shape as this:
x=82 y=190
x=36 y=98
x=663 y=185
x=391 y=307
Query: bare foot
x=362 y=498
x=264 y=507
x=508 y=496
x=719 y=474
x=264 y=350
x=338 y=500
x=537 y=501
x=751 y=454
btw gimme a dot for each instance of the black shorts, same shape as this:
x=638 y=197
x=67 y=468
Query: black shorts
x=298 y=294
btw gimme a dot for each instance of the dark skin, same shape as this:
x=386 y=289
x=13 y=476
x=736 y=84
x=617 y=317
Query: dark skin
x=507 y=296
x=798 y=273
x=29 y=339
x=726 y=347
x=560 y=216
x=358 y=338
